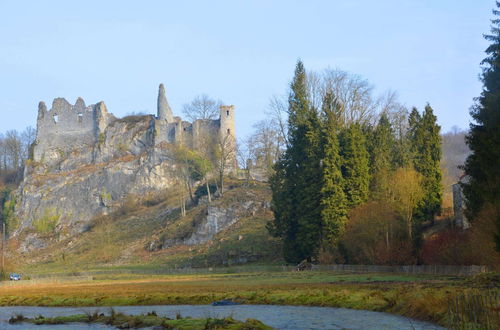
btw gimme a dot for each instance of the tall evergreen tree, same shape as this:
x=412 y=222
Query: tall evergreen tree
x=333 y=200
x=355 y=165
x=297 y=183
x=482 y=166
x=425 y=142
x=382 y=162
x=414 y=135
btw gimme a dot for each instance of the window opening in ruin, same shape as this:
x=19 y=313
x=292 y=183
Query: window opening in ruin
x=56 y=118
x=227 y=112
x=80 y=117
x=228 y=131
x=184 y=129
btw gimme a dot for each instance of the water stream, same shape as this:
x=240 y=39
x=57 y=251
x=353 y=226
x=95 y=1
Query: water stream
x=279 y=317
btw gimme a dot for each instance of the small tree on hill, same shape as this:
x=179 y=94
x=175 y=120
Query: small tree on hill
x=225 y=155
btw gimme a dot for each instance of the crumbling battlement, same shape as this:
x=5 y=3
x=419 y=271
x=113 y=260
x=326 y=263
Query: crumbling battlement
x=68 y=127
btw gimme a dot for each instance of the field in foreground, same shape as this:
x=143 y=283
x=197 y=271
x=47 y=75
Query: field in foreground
x=423 y=297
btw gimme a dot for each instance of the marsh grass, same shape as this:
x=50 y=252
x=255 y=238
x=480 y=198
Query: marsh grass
x=123 y=321
x=475 y=310
x=422 y=297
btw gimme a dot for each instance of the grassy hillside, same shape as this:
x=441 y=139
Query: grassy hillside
x=121 y=239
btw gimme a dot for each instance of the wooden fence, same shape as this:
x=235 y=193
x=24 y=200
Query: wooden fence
x=410 y=269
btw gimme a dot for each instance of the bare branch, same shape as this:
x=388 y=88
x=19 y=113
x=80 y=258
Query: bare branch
x=202 y=107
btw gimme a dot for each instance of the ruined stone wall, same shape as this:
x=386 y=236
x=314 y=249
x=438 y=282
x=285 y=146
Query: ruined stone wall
x=204 y=131
x=67 y=127
x=458 y=207
x=196 y=135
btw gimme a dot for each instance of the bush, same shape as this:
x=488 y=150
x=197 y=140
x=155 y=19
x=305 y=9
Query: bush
x=127 y=206
x=445 y=248
x=202 y=190
x=154 y=198
x=474 y=246
x=7 y=205
x=47 y=222
x=375 y=235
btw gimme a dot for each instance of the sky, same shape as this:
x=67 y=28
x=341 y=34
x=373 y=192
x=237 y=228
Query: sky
x=242 y=52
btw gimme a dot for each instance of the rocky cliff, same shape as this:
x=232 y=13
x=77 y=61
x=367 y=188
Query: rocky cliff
x=153 y=232
x=67 y=184
x=85 y=162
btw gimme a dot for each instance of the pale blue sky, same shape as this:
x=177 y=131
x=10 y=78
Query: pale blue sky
x=242 y=52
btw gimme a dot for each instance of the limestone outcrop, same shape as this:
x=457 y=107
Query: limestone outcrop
x=85 y=161
x=217 y=217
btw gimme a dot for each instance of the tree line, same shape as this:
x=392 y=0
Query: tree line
x=349 y=156
x=14 y=151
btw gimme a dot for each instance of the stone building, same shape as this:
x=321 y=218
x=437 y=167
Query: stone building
x=192 y=135
x=459 y=205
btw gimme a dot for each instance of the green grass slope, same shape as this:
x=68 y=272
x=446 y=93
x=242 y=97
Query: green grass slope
x=120 y=240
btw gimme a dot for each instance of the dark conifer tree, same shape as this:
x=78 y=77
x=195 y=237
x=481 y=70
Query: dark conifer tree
x=425 y=146
x=483 y=165
x=355 y=165
x=382 y=160
x=297 y=183
x=333 y=200
x=414 y=136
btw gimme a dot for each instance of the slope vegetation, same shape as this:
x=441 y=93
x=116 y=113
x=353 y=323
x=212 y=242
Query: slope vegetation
x=149 y=235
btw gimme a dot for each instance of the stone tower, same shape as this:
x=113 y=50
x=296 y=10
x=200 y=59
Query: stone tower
x=227 y=126
x=164 y=110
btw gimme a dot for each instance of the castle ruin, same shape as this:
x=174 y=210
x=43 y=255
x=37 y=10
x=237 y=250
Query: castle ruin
x=85 y=161
x=192 y=135
x=67 y=127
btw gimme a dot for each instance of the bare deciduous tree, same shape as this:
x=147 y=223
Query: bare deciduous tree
x=27 y=138
x=225 y=152
x=267 y=144
x=278 y=114
x=246 y=156
x=14 y=148
x=353 y=93
x=202 y=107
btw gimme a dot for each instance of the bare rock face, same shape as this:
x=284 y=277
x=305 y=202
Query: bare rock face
x=77 y=174
x=219 y=216
x=217 y=219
